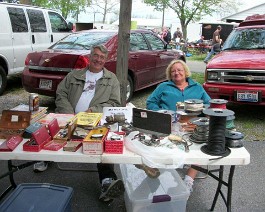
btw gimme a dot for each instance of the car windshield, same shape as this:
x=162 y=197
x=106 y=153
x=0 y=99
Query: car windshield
x=246 y=39
x=83 y=41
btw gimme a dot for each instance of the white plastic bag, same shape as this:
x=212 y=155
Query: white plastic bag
x=167 y=155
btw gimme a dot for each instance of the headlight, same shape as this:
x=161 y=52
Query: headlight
x=212 y=75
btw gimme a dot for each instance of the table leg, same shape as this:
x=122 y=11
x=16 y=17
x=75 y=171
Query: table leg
x=11 y=169
x=218 y=190
x=228 y=199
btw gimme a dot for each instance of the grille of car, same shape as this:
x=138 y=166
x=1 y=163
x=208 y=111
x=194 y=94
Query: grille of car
x=238 y=76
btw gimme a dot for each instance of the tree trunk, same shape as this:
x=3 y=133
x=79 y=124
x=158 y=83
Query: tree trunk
x=123 y=46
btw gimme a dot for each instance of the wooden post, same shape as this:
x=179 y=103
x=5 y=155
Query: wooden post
x=123 y=46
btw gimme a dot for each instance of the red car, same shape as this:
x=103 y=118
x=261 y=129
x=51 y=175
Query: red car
x=237 y=74
x=148 y=58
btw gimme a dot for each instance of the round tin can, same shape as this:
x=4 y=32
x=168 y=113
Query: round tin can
x=33 y=102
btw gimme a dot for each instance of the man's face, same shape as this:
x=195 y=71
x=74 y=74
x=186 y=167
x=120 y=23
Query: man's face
x=97 y=61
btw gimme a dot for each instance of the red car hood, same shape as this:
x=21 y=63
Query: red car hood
x=56 y=58
x=239 y=59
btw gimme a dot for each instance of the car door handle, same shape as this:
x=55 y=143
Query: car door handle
x=51 y=38
x=33 y=39
x=135 y=57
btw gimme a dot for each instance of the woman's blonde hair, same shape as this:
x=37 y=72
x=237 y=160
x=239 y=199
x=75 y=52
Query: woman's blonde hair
x=173 y=62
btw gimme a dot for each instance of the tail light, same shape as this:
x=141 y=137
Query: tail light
x=27 y=61
x=81 y=63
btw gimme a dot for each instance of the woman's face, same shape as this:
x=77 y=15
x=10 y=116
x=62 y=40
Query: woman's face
x=178 y=74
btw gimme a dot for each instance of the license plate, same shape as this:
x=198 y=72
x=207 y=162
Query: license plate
x=247 y=96
x=45 y=84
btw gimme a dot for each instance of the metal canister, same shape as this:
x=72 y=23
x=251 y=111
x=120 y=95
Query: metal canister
x=33 y=102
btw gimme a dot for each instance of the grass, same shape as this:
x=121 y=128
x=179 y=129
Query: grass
x=198 y=77
x=196 y=57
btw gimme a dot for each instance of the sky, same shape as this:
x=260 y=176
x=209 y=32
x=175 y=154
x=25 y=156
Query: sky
x=143 y=11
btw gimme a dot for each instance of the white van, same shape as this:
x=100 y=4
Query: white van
x=24 y=29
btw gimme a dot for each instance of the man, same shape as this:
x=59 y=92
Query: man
x=177 y=37
x=216 y=43
x=90 y=90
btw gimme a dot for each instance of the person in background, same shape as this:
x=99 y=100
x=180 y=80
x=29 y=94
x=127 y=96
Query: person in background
x=178 y=88
x=177 y=37
x=165 y=35
x=201 y=45
x=200 y=41
x=216 y=44
x=90 y=90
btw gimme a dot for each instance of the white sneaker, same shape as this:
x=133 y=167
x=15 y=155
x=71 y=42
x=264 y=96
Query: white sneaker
x=40 y=166
x=189 y=183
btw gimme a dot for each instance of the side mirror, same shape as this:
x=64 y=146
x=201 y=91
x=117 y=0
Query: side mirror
x=70 y=25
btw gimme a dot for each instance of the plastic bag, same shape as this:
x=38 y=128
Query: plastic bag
x=167 y=155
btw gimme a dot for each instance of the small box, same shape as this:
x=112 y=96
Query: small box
x=13 y=123
x=38 y=140
x=38 y=197
x=165 y=193
x=93 y=143
x=73 y=145
x=114 y=143
x=62 y=134
x=10 y=144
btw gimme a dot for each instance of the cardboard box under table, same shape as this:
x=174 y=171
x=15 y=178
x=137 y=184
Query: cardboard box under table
x=38 y=197
x=165 y=193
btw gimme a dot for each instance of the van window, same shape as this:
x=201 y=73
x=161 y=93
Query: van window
x=37 y=21
x=18 y=19
x=57 y=22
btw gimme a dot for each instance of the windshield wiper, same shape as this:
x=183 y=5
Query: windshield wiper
x=82 y=45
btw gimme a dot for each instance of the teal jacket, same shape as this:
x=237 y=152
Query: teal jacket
x=167 y=94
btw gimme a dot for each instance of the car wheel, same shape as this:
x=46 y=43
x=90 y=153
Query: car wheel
x=129 y=90
x=3 y=80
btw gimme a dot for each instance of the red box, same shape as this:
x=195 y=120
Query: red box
x=53 y=127
x=114 y=143
x=38 y=140
x=10 y=144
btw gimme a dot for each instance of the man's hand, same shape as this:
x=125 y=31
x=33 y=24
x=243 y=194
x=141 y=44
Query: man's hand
x=88 y=110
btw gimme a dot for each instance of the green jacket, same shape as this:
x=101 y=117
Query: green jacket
x=68 y=92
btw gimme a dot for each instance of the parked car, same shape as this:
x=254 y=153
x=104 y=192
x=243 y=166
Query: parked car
x=237 y=73
x=25 y=29
x=149 y=56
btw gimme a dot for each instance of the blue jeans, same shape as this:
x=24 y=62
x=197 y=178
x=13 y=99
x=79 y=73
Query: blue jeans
x=209 y=55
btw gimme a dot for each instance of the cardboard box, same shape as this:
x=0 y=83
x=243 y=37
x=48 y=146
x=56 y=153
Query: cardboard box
x=39 y=197
x=114 y=143
x=93 y=143
x=165 y=193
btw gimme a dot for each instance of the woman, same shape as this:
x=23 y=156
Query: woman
x=178 y=88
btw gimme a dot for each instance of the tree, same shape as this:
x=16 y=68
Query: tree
x=106 y=6
x=189 y=11
x=67 y=7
